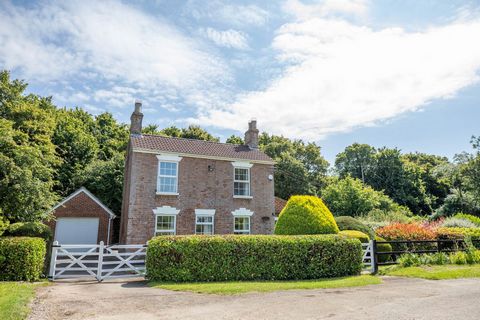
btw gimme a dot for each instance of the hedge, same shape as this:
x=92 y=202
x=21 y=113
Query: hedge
x=305 y=215
x=29 y=229
x=21 y=258
x=262 y=257
x=355 y=234
x=349 y=223
x=383 y=247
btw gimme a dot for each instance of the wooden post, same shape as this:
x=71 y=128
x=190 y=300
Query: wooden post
x=53 y=261
x=374 y=257
x=100 y=261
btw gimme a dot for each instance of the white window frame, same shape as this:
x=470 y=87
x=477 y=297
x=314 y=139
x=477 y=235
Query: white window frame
x=169 y=159
x=166 y=211
x=242 y=213
x=247 y=166
x=205 y=213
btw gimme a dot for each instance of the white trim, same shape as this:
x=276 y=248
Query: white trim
x=169 y=157
x=204 y=212
x=166 y=210
x=242 y=212
x=243 y=197
x=167 y=193
x=174 y=230
x=235 y=231
x=88 y=193
x=189 y=155
x=242 y=164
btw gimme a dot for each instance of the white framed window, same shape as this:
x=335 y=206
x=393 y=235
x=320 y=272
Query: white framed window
x=241 y=180
x=204 y=221
x=167 y=178
x=242 y=221
x=165 y=220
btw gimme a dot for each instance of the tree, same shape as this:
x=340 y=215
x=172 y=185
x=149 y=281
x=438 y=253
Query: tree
x=112 y=137
x=350 y=197
x=300 y=168
x=357 y=161
x=233 y=139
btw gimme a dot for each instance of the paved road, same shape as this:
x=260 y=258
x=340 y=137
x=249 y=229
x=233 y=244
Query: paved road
x=396 y=298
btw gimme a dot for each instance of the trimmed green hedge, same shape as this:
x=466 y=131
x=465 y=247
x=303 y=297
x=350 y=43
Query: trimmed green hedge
x=29 y=229
x=349 y=223
x=21 y=258
x=355 y=234
x=305 y=215
x=263 y=257
x=383 y=247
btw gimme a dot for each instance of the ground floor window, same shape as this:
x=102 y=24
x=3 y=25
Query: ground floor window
x=204 y=224
x=241 y=225
x=165 y=225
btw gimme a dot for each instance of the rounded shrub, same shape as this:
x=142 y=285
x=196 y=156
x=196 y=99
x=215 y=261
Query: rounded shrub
x=383 y=247
x=21 y=258
x=349 y=223
x=354 y=234
x=29 y=229
x=305 y=215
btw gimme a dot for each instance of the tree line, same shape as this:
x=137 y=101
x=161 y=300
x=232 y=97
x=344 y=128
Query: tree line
x=47 y=152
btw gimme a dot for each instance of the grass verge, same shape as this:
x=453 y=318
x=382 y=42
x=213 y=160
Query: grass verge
x=435 y=272
x=15 y=297
x=237 y=287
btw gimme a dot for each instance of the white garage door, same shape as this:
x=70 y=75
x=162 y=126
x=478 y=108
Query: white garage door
x=76 y=230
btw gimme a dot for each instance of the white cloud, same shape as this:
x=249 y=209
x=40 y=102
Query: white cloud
x=342 y=76
x=231 y=14
x=106 y=42
x=326 y=8
x=228 y=38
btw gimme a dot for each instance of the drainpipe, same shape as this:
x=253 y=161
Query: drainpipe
x=109 y=227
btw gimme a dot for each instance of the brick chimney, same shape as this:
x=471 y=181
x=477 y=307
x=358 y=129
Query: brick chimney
x=136 y=119
x=251 y=135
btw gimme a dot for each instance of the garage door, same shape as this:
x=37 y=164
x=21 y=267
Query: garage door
x=76 y=230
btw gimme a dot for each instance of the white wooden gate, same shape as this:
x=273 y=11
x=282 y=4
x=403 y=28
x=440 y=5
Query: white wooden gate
x=97 y=261
x=368 y=256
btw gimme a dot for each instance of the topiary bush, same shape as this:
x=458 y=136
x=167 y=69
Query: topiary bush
x=355 y=234
x=305 y=215
x=29 y=229
x=263 y=257
x=383 y=247
x=21 y=258
x=349 y=223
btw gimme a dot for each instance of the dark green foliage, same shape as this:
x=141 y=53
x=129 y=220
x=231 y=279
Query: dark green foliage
x=233 y=139
x=305 y=215
x=4 y=223
x=349 y=223
x=227 y=258
x=383 y=247
x=30 y=229
x=21 y=258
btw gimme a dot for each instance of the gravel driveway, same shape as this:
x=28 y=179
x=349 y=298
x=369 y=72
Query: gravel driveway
x=396 y=298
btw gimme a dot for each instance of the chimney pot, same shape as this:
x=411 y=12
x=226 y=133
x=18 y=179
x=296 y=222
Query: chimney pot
x=136 y=119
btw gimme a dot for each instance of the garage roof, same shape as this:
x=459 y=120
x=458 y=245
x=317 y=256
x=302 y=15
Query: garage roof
x=88 y=193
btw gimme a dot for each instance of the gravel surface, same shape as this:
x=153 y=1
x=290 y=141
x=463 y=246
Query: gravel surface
x=396 y=298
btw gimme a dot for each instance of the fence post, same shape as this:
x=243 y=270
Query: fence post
x=100 y=261
x=374 y=257
x=53 y=261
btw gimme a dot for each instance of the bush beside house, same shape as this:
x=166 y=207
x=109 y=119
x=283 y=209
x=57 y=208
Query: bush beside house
x=21 y=258
x=349 y=223
x=305 y=215
x=29 y=229
x=226 y=258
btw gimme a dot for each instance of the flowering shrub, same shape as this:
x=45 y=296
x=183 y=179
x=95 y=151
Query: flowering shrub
x=407 y=231
x=458 y=233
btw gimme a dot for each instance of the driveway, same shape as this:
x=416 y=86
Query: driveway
x=396 y=298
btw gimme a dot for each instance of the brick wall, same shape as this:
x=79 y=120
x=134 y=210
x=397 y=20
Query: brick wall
x=82 y=206
x=198 y=188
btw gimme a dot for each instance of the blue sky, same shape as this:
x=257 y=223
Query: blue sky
x=397 y=73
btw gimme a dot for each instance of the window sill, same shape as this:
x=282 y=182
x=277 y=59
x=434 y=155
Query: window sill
x=242 y=197
x=167 y=194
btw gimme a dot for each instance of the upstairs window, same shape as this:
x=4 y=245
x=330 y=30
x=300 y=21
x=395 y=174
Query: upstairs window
x=241 y=180
x=167 y=180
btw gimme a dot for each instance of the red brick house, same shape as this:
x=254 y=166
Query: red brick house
x=185 y=186
x=81 y=218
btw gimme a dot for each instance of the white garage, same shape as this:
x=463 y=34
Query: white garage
x=77 y=230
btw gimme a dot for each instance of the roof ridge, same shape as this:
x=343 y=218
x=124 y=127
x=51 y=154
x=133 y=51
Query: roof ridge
x=191 y=139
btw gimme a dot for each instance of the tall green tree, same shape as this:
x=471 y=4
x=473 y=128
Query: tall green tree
x=357 y=161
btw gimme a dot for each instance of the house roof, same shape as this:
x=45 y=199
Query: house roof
x=89 y=194
x=146 y=142
x=279 y=205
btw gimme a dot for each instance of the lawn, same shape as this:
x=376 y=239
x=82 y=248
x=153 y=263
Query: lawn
x=435 y=272
x=237 y=287
x=14 y=299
